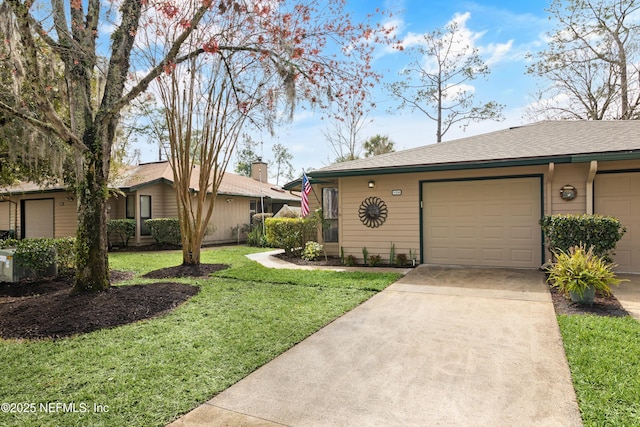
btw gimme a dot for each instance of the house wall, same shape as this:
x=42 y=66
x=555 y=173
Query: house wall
x=403 y=221
x=163 y=205
x=64 y=211
x=6 y=215
x=226 y=215
x=574 y=174
x=228 y=212
x=402 y=226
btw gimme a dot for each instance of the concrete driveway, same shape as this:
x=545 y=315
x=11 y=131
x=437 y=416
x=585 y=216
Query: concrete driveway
x=442 y=346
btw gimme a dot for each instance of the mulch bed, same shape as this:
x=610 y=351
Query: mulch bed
x=322 y=261
x=329 y=261
x=602 y=306
x=199 y=270
x=47 y=308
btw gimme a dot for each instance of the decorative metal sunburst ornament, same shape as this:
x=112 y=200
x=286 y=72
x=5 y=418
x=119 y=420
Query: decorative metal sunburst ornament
x=373 y=212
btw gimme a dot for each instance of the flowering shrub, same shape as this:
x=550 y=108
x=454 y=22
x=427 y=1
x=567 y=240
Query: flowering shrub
x=312 y=250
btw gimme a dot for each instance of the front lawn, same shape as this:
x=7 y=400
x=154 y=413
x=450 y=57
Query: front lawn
x=150 y=372
x=604 y=357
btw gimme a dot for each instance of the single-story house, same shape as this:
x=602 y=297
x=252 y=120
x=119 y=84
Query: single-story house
x=477 y=200
x=144 y=191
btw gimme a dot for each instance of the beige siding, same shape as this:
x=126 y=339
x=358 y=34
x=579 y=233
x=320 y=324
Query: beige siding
x=402 y=226
x=158 y=210
x=66 y=215
x=574 y=174
x=7 y=220
x=402 y=223
x=618 y=195
x=229 y=212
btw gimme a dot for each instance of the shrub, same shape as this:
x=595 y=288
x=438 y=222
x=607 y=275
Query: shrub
x=36 y=256
x=65 y=254
x=259 y=218
x=123 y=229
x=563 y=232
x=39 y=257
x=365 y=256
x=375 y=260
x=401 y=259
x=165 y=230
x=312 y=251
x=289 y=234
x=349 y=261
x=580 y=269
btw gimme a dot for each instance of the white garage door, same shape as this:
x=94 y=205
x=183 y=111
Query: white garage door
x=618 y=195
x=492 y=222
x=38 y=218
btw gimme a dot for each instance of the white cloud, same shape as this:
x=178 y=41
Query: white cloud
x=496 y=52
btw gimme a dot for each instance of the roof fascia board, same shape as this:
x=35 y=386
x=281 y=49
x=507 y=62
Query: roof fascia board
x=31 y=192
x=146 y=184
x=628 y=155
x=443 y=167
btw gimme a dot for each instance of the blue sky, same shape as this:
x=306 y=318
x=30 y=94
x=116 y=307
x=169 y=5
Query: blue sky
x=503 y=31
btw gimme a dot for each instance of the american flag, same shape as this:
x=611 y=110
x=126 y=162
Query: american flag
x=306 y=189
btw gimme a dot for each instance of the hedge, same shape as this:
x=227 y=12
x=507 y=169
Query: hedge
x=564 y=231
x=165 y=230
x=123 y=229
x=289 y=234
x=36 y=256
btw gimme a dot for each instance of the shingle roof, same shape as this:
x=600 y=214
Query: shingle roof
x=562 y=141
x=146 y=174
x=232 y=184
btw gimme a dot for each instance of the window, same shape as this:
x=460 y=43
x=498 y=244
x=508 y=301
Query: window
x=330 y=213
x=131 y=207
x=145 y=213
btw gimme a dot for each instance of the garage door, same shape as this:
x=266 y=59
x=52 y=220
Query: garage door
x=491 y=222
x=38 y=218
x=618 y=195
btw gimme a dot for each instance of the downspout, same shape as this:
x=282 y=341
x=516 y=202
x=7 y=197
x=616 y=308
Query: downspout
x=593 y=168
x=549 y=197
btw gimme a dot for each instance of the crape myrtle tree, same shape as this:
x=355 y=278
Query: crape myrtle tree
x=590 y=68
x=206 y=101
x=310 y=47
x=256 y=60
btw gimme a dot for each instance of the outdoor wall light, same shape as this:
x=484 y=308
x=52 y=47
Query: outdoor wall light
x=568 y=192
x=372 y=184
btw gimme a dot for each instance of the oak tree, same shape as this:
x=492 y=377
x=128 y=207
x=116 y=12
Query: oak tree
x=589 y=69
x=309 y=49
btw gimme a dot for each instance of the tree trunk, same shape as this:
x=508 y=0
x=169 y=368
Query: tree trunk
x=92 y=268
x=92 y=264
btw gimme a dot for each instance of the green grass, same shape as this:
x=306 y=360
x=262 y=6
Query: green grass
x=150 y=372
x=604 y=357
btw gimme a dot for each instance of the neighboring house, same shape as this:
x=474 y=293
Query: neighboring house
x=478 y=200
x=144 y=191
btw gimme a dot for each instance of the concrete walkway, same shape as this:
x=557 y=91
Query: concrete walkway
x=628 y=294
x=269 y=260
x=442 y=346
